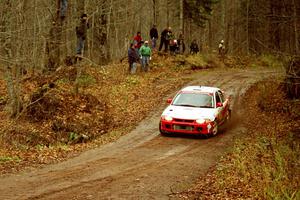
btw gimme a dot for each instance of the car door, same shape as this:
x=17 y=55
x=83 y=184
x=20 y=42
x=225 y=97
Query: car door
x=225 y=106
x=220 y=109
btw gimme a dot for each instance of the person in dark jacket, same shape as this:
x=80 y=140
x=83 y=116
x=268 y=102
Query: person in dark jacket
x=194 y=48
x=133 y=58
x=181 y=44
x=165 y=39
x=153 y=36
x=174 y=47
x=81 y=33
x=63 y=8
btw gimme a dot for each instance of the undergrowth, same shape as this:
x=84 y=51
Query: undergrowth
x=109 y=100
x=264 y=164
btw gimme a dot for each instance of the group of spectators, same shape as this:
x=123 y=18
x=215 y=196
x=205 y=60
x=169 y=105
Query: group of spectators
x=140 y=51
x=170 y=42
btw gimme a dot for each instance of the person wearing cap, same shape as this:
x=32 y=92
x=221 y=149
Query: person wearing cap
x=133 y=59
x=81 y=33
x=145 y=53
x=221 y=47
x=153 y=36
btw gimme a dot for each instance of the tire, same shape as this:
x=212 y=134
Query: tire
x=215 y=130
x=161 y=131
x=228 y=117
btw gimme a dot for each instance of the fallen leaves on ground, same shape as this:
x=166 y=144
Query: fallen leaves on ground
x=56 y=123
x=264 y=164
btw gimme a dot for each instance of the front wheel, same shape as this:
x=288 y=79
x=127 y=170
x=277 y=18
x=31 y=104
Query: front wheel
x=161 y=131
x=215 y=129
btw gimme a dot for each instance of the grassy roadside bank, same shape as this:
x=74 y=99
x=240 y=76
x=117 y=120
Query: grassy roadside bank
x=264 y=164
x=55 y=122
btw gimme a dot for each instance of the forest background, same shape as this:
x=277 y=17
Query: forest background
x=33 y=35
x=37 y=103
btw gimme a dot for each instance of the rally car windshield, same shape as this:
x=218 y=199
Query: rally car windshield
x=201 y=100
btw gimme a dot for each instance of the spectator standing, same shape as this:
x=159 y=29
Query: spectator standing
x=194 y=48
x=181 y=43
x=137 y=40
x=174 y=47
x=154 y=36
x=133 y=58
x=145 y=52
x=81 y=33
x=221 y=48
x=63 y=8
x=165 y=39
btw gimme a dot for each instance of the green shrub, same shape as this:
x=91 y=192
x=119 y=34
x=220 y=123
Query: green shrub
x=268 y=60
x=9 y=159
x=86 y=80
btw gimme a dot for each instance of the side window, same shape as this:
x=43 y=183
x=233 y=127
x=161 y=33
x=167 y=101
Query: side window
x=220 y=94
x=218 y=99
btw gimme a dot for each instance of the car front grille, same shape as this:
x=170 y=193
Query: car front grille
x=183 y=128
x=184 y=120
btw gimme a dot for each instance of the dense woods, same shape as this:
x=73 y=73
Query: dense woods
x=54 y=100
x=35 y=36
x=32 y=32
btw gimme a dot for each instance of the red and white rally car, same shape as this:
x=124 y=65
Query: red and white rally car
x=197 y=110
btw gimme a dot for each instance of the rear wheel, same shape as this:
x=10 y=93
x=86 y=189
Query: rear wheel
x=228 y=116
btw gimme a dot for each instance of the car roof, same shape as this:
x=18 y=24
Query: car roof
x=200 y=89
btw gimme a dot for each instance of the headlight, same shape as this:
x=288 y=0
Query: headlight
x=168 y=118
x=202 y=121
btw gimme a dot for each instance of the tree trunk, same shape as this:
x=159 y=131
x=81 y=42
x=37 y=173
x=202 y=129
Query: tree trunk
x=296 y=28
x=55 y=38
x=247 y=27
x=210 y=36
x=154 y=12
x=181 y=16
x=13 y=87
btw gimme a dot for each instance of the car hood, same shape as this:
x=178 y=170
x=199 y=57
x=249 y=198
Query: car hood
x=182 y=112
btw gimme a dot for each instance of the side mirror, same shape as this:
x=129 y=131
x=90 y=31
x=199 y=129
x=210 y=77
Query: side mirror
x=169 y=101
x=219 y=104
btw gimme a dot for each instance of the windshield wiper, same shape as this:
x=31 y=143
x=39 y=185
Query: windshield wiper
x=186 y=105
x=204 y=106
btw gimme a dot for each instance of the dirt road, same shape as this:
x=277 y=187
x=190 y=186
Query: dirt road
x=140 y=165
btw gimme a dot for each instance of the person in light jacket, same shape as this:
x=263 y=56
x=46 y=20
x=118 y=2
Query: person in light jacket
x=145 y=53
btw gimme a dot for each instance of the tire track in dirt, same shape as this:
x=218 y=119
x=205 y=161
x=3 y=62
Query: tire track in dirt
x=138 y=165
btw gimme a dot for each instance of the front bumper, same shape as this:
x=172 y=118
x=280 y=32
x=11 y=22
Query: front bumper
x=186 y=127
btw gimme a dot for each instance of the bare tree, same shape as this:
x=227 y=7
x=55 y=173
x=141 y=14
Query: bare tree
x=13 y=86
x=296 y=24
